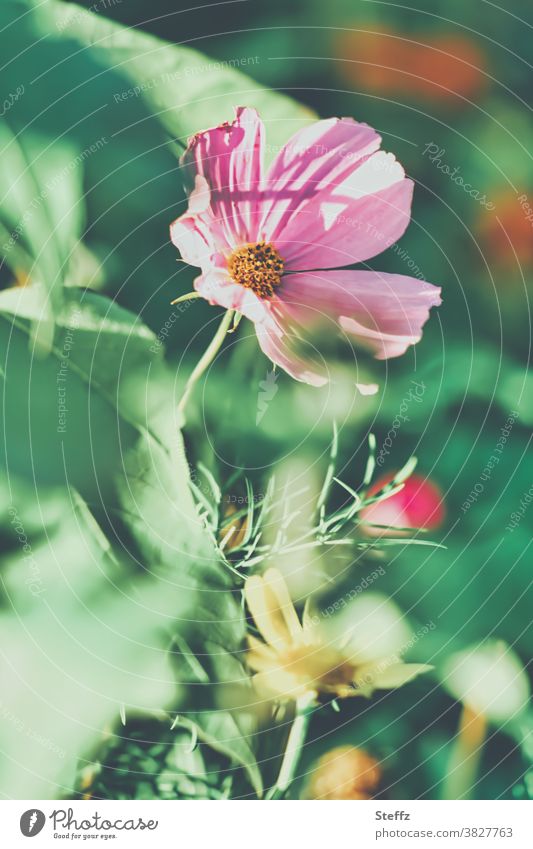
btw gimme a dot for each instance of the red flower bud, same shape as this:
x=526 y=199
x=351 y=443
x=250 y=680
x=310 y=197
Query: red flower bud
x=420 y=504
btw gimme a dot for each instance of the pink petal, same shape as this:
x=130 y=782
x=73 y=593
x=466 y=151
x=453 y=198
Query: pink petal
x=276 y=341
x=367 y=388
x=193 y=238
x=285 y=343
x=280 y=346
x=332 y=199
x=385 y=312
x=229 y=158
x=217 y=287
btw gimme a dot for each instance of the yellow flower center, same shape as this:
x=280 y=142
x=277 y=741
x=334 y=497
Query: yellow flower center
x=257 y=266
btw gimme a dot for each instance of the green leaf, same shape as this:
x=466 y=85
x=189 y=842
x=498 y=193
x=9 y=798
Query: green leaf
x=108 y=623
x=42 y=209
x=69 y=416
x=183 y=88
x=220 y=731
x=41 y=205
x=79 y=640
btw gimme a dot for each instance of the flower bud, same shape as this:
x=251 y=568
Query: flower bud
x=344 y=773
x=490 y=679
x=419 y=504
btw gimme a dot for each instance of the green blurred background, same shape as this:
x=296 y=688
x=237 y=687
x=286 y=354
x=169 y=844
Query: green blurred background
x=450 y=81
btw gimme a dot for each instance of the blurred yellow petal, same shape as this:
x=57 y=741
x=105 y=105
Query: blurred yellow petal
x=260 y=657
x=276 y=582
x=296 y=659
x=310 y=622
x=264 y=607
x=399 y=674
x=278 y=683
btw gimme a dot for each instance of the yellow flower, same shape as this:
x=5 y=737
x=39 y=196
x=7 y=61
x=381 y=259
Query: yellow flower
x=296 y=659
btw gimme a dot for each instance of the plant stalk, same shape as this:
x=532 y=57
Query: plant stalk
x=207 y=358
x=466 y=755
x=305 y=707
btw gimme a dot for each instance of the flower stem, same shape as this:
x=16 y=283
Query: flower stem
x=207 y=358
x=466 y=755
x=305 y=706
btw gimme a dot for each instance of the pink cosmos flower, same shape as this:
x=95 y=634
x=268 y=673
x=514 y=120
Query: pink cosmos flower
x=271 y=245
